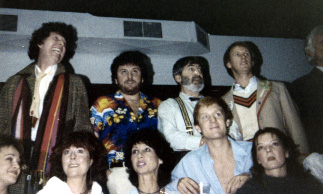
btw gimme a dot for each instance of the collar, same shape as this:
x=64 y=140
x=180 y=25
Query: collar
x=49 y=71
x=320 y=68
x=118 y=95
x=187 y=97
x=252 y=83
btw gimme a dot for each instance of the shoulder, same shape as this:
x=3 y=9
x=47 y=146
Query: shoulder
x=196 y=154
x=167 y=104
x=251 y=186
x=96 y=188
x=245 y=145
x=55 y=185
x=105 y=102
x=227 y=95
x=133 y=191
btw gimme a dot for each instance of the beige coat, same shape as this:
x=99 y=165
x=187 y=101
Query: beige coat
x=275 y=108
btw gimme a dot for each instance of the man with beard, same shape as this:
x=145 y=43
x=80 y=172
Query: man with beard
x=175 y=116
x=116 y=116
x=257 y=103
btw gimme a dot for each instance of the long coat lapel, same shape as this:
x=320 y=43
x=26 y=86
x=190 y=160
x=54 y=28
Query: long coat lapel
x=262 y=92
x=233 y=109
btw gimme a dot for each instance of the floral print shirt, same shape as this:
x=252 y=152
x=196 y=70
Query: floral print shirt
x=113 y=121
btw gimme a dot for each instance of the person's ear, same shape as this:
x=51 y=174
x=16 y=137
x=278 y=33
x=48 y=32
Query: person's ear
x=229 y=65
x=116 y=80
x=160 y=161
x=286 y=154
x=310 y=53
x=198 y=128
x=91 y=162
x=228 y=122
x=142 y=80
x=178 y=78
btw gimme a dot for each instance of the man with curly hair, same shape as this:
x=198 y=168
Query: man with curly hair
x=116 y=116
x=42 y=102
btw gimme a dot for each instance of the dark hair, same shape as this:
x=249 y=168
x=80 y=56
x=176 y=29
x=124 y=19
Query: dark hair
x=86 y=140
x=7 y=141
x=255 y=54
x=182 y=62
x=208 y=101
x=135 y=58
x=38 y=36
x=294 y=168
x=154 y=139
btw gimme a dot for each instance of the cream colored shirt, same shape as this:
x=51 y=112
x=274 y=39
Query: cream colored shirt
x=43 y=87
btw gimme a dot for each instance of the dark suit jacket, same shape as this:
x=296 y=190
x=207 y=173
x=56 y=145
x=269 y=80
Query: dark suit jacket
x=308 y=94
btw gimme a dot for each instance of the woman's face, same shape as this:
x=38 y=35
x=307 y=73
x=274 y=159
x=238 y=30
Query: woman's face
x=9 y=165
x=271 y=155
x=76 y=161
x=144 y=159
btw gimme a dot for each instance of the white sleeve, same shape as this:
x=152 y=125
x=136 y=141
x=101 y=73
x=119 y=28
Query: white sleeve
x=171 y=124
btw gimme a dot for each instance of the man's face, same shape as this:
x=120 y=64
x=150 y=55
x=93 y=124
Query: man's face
x=53 y=48
x=318 y=48
x=129 y=79
x=240 y=61
x=191 y=78
x=212 y=122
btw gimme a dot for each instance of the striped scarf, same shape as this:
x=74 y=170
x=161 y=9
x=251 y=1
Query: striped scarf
x=51 y=122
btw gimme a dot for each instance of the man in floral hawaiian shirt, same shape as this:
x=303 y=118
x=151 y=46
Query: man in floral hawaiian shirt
x=116 y=116
x=257 y=103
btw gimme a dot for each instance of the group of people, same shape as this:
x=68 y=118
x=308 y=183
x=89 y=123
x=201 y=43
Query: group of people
x=132 y=143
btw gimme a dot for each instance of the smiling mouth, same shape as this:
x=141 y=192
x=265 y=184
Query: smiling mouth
x=14 y=172
x=141 y=164
x=58 y=51
x=73 y=165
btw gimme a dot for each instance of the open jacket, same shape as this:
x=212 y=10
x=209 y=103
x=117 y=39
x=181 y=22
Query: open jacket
x=274 y=108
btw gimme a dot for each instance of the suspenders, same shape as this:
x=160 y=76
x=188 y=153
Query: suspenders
x=188 y=123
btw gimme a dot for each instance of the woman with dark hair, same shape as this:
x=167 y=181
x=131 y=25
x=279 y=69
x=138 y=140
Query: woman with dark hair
x=11 y=152
x=78 y=164
x=276 y=168
x=149 y=159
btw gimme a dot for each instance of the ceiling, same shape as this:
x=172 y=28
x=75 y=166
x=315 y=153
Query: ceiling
x=259 y=18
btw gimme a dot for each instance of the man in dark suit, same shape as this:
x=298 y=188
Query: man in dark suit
x=308 y=91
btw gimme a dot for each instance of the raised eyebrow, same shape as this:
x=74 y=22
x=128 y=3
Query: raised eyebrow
x=10 y=155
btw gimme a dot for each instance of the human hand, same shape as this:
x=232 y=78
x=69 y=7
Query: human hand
x=236 y=182
x=187 y=186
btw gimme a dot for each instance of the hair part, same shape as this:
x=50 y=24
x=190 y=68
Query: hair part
x=38 y=36
x=154 y=139
x=309 y=47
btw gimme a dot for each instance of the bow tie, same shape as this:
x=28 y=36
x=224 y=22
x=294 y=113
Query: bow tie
x=194 y=99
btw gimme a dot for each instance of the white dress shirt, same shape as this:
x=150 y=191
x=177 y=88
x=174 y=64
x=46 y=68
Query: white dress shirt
x=172 y=125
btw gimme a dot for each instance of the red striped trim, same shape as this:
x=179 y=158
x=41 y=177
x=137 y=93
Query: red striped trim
x=247 y=102
x=51 y=127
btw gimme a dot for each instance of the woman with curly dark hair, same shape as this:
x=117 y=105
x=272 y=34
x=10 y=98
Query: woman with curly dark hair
x=276 y=168
x=11 y=152
x=149 y=159
x=78 y=165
